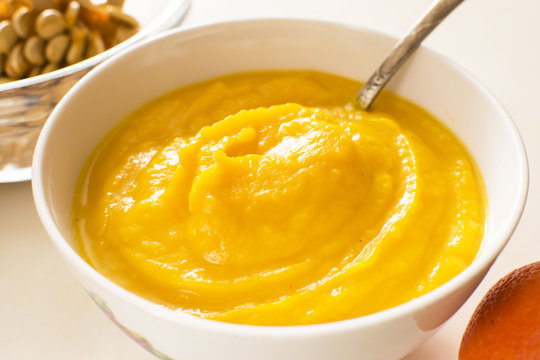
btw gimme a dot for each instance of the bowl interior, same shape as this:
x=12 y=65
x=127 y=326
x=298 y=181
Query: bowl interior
x=122 y=84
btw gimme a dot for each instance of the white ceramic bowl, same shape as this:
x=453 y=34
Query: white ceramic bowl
x=178 y=58
x=25 y=104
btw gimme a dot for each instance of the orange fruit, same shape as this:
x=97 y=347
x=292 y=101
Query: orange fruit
x=506 y=323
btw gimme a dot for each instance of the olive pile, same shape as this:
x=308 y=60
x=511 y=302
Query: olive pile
x=40 y=36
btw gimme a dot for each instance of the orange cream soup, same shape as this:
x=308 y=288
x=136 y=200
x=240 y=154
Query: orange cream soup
x=267 y=198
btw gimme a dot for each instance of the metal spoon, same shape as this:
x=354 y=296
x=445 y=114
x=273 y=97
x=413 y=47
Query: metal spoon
x=402 y=50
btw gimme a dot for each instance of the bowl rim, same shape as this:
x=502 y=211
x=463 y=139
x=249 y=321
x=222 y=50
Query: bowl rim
x=481 y=263
x=169 y=16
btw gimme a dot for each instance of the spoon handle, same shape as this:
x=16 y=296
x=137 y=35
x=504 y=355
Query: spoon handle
x=402 y=50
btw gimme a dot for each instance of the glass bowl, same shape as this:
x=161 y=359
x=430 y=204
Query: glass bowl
x=26 y=104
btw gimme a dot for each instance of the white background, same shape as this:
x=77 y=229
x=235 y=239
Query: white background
x=44 y=312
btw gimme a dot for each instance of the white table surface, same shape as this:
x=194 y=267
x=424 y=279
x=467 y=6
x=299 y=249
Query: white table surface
x=45 y=313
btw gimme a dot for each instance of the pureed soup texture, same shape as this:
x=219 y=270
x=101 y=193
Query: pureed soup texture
x=267 y=198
